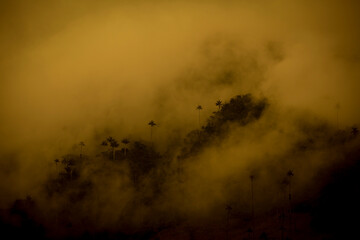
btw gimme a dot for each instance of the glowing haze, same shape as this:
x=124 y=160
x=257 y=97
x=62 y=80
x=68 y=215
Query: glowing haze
x=74 y=71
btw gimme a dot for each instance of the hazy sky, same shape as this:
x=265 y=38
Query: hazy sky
x=81 y=70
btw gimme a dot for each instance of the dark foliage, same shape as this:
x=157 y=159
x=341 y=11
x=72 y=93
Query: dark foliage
x=241 y=110
x=142 y=159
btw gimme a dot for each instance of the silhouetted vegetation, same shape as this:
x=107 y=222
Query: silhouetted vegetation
x=79 y=184
x=240 y=110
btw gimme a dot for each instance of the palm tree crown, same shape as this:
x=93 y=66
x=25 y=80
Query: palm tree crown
x=218 y=103
x=152 y=123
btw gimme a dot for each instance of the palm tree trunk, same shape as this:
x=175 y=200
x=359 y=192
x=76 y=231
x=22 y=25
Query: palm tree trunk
x=290 y=210
x=252 y=199
x=150 y=134
x=252 y=208
x=199 y=120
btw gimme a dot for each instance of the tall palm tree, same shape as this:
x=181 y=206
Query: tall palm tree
x=199 y=108
x=219 y=104
x=284 y=186
x=151 y=124
x=82 y=144
x=228 y=209
x=113 y=144
x=252 y=178
x=125 y=141
x=56 y=163
x=290 y=174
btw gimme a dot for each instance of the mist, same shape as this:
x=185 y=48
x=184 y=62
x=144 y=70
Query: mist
x=75 y=71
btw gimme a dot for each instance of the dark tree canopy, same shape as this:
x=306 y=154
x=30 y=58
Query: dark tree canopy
x=241 y=110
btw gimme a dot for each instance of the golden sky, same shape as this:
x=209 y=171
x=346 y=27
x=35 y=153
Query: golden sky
x=79 y=70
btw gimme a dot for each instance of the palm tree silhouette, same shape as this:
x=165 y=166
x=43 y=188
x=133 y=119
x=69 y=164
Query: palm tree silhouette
x=82 y=144
x=56 y=163
x=113 y=144
x=151 y=124
x=290 y=174
x=252 y=177
x=219 y=104
x=284 y=185
x=125 y=141
x=199 y=108
x=354 y=131
x=228 y=209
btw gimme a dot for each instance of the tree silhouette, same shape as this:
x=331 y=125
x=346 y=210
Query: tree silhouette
x=56 y=163
x=125 y=141
x=142 y=159
x=199 y=108
x=241 y=110
x=68 y=163
x=219 y=104
x=290 y=174
x=284 y=186
x=104 y=143
x=228 y=210
x=82 y=144
x=113 y=144
x=151 y=124
x=354 y=131
x=252 y=177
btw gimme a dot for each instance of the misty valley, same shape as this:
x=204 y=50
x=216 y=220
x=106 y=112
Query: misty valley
x=179 y=120
x=240 y=175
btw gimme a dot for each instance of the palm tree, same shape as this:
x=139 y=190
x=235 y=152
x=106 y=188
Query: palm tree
x=151 y=124
x=82 y=144
x=252 y=177
x=284 y=185
x=113 y=144
x=56 y=163
x=219 y=104
x=228 y=209
x=290 y=174
x=125 y=141
x=199 y=108
x=354 y=131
